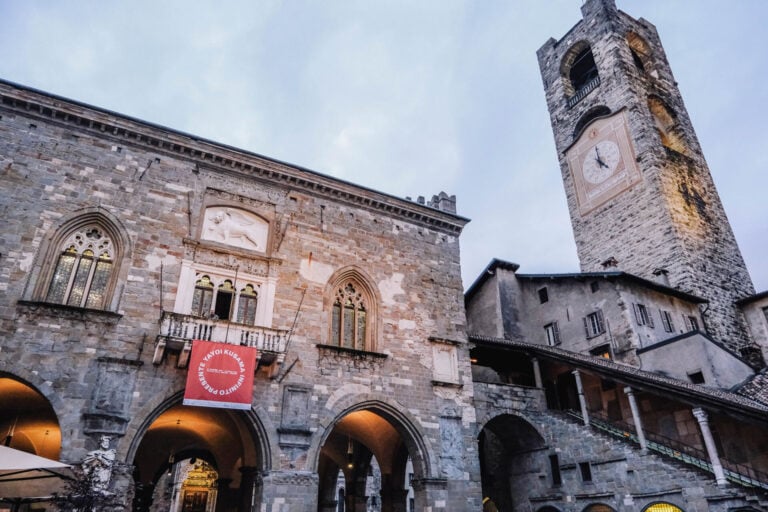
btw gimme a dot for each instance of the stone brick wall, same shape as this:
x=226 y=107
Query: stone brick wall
x=622 y=476
x=59 y=159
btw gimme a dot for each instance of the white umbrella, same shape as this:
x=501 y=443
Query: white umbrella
x=28 y=477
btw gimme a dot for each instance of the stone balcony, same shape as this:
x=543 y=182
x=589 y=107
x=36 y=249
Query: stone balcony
x=178 y=330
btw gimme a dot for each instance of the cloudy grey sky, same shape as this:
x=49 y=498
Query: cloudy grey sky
x=407 y=97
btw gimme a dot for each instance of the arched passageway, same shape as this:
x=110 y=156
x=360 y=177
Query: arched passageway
x=511 y=451
x=371 y=450
x=27 y=420
x=196 y=459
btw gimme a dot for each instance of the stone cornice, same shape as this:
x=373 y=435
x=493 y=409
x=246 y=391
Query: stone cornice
x=215 y=156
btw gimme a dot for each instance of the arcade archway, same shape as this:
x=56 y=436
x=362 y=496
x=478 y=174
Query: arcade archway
x=511 y=450
x=28 y=421
x=369 y=449
x=197 y=459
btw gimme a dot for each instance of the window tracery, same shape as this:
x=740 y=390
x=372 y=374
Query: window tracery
x=349 y=317
x=83 y=269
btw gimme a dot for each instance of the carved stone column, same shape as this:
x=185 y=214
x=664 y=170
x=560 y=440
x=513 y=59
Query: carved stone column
x=223 y=494
x=290 y=490
x=248 y=487
x=636 y=418
x=430 y=493
x=328 y=506
x=709 y=442
x=582 y=398
x=537 y=372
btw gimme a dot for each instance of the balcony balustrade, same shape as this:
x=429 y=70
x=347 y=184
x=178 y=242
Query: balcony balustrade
x=177 y=331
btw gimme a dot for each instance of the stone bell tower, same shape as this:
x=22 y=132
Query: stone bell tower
x=639 y=191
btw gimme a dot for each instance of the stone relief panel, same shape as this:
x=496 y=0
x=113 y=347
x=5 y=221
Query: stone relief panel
x=452 y=446
x=235 y=227
x=294 y=425
x=257 y=267
x=446 y=366
x=295 y=407
x=112 y=393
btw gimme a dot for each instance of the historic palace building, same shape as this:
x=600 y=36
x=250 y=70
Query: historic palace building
x=196 y=328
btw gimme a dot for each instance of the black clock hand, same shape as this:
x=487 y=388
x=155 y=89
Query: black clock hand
x=599 y=161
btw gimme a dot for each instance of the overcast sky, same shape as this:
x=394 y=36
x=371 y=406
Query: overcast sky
x=407 y=97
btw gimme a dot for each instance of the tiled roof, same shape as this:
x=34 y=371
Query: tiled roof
x=756 y=388
x=732 y=403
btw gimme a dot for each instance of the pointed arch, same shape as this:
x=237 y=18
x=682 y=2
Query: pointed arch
x=261 y=431
x=80 y=264
x=352 y=305
x=423 y=457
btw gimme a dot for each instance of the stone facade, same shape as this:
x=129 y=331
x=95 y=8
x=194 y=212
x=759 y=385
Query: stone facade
x=173 y=218
x=127 y=244
x=672 y=219
x=637 y=322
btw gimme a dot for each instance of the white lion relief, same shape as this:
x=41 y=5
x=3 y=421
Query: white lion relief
x=238 y=228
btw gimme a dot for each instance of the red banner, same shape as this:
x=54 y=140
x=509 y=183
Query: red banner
x=220 y=375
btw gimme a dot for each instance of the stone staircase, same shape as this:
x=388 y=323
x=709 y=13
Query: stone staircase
x=660 y=468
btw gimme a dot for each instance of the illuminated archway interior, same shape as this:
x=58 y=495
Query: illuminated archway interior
x=27 y=420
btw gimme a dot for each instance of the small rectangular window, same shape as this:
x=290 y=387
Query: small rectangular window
x=765 y=313
x=553 y=334
x=543 y=295
x=594 y=324
x=696 y=377
x=693 y=322
x=594 y=286
x=642 y=315
x=554 y=466
x=666 y=320
x=586 y=471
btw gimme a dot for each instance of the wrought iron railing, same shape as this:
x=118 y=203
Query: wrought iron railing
x=740 y=474
x=583 y=91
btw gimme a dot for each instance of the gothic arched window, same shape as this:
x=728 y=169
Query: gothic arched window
x=352 y=305
x=83 y=270
x=349 y=317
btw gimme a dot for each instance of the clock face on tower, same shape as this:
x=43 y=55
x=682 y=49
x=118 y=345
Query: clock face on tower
x=602 y=162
